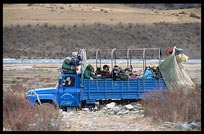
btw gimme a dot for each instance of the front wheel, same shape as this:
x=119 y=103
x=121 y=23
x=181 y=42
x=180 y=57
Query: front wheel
x=47 y=106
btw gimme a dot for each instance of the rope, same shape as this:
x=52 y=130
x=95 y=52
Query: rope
x=37 y=97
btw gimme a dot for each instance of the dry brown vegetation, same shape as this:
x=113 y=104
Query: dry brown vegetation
x=55 y=31
x=174 y=106
x=19 y=116
x=58 y=42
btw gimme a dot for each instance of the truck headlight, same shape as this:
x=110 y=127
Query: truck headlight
x=30 y=92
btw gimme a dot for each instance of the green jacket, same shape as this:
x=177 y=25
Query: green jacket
x=87 y=72
x=68 y=67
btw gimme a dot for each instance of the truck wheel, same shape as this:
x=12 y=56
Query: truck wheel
x=70 y=109
x=47 y=106
x=90 y=106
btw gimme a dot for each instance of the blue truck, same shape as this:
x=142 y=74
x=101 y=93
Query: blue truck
x=79 y=92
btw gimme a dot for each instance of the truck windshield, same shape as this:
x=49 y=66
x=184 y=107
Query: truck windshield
x=68 y=81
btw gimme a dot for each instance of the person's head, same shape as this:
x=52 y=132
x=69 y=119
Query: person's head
x=122 y=71
x=146 y=68
x=106 y=67
x=68 y=60
x=170 y=50
x=68 y=79
x=128 y=69
x=74 y=54
x=153 y=69
x=88 y=67
x=98 y=68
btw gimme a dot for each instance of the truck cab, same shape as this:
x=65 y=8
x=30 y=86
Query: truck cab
x=69 y=91
x=66 y=93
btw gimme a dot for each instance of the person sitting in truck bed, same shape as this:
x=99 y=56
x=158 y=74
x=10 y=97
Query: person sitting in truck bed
x=115 y=72
x=124 y=75
x=121 y=73
x=134 y=74
x=158 y=73
x=89 y=72
x=105 y=72
x=98 y=72
x=148 y=73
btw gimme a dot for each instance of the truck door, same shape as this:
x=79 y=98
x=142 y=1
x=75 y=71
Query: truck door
x=67 y=92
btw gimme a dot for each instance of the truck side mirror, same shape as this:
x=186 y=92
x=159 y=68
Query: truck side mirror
x=63 y=83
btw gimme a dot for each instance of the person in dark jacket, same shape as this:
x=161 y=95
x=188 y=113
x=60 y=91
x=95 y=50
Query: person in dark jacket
x=115 y=72
x=67 y=66
x=98 y=72
x=158 y=73
x=105 y=72
x=124 y=75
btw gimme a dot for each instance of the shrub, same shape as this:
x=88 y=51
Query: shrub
x=75 y=26
x=194 y=16
x=28 y=25
x=18 y=87
x=18 y=115
x=174 y=106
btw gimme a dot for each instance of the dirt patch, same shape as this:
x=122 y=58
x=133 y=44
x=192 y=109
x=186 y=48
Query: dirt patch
x=97 y=121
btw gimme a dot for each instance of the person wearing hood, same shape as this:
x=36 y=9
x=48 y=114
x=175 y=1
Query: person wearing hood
x=67 y=66
x=89 y=72
x=148 y=73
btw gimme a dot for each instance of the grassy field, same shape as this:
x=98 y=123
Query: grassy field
x=60 y=14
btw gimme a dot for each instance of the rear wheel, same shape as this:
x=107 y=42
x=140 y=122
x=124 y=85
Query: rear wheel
x=71 y=109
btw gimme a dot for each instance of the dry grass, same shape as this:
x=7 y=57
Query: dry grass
x=58 y=43
x=174 y=106
x=60 y=14
x=19 y=116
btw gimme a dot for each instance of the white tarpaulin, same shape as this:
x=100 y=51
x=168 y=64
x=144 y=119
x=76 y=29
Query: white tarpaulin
x=174 y=73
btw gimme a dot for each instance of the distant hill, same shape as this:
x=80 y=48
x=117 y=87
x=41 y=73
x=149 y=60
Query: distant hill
x=165 y=6
x=54 y=31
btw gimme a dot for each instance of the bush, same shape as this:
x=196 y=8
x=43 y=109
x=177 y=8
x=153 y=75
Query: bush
x=174 y=106
x=18 y=86
x=19 y=116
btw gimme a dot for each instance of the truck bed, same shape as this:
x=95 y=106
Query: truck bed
x=133 y=88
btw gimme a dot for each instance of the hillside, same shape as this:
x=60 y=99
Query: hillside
x=56 y=30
